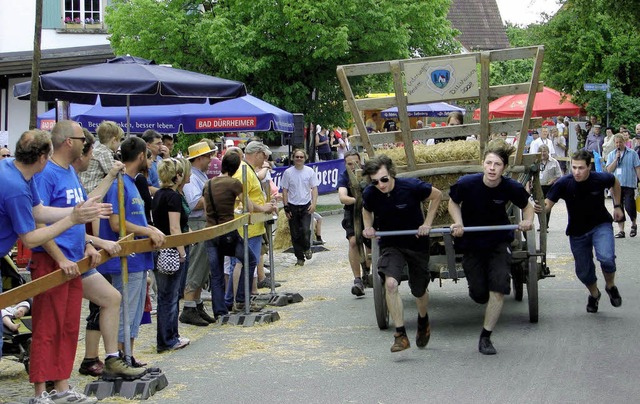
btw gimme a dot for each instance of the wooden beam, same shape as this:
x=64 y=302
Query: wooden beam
x=501 y=55
x=512 y=89
x=405 y=129
x=355 y=112
x=485 y=65
x=535 y=77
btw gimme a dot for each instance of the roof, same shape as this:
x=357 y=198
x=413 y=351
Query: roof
x=19 y=63
x=479 y=23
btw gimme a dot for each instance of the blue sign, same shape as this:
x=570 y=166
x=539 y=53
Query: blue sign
x=327 y=172
x=440 y=78
x=596 y=87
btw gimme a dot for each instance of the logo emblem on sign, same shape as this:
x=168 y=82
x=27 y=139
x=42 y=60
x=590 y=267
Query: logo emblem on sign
x=440 y=77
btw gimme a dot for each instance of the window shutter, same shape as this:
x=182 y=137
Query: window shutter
x=52 y=14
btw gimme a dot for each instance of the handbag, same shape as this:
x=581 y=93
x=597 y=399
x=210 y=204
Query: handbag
x=168 y=261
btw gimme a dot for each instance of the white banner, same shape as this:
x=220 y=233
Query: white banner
x=441 y=80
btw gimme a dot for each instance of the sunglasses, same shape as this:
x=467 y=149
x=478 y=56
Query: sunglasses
x=298 y=157
x=384 y=179
x=84 y=139
x=5 y=155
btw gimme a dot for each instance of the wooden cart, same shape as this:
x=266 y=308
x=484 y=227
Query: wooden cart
x=453 y=78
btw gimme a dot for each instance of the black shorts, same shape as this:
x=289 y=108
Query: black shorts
x=347 y=225
x=488 y=271
x=392 y=261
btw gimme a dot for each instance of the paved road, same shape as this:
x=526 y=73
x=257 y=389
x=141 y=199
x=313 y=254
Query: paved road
x=329 y=348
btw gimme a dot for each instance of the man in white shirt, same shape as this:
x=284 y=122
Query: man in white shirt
x=542 y=140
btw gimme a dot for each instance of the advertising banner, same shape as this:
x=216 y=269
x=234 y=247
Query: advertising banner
x=327 y=172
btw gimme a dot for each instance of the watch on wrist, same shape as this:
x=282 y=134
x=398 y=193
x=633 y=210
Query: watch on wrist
x=89 y=242
x=616 y=206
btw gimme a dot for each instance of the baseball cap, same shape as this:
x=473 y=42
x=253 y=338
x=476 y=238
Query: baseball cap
x=228 y=143
x=255 y=147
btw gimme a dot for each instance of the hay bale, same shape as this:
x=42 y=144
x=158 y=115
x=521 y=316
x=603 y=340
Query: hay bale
x=440 y=152
x=282 y=238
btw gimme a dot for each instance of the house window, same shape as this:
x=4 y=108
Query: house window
x=85 y=12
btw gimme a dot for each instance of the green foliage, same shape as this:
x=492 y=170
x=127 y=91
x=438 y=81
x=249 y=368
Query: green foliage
x=286 y=52
x=514 y=71
x=624 y=109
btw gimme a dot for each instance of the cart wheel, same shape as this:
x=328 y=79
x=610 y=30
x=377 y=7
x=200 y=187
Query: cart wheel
x=517 y=276
x=379 y=294
x=532 y=277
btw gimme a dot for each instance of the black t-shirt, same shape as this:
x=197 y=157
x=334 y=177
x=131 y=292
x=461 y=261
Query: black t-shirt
x=485 y=206
x=164 y=201
x=400 y=209
x=143 y=188
x=585 y=201
x=390 y=125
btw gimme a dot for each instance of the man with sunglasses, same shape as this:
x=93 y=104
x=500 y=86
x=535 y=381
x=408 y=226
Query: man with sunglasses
x=390 y=204
x=4 y=153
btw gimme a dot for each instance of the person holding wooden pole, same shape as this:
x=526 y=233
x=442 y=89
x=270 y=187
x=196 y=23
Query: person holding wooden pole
x=481 y=200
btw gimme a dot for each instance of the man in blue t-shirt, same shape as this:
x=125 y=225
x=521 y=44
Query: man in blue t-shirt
x=481 y=200
x=133 y=151
x=389 y=204
x=20 y=204
x=589 y=227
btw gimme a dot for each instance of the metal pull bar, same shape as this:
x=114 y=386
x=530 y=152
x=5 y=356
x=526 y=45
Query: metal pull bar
x=447 y=230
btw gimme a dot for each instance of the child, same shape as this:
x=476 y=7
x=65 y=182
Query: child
x=18 y=311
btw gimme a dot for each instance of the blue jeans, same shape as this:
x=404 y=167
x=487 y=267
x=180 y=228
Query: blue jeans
x=255 y=244
x=137 y=292
x=168 y=290
x=601 y=239
x=229 y=245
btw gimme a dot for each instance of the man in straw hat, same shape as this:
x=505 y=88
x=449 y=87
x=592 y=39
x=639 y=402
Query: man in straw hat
x=198 y=272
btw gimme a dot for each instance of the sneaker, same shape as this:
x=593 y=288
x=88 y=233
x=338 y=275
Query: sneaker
x=401 y=342
x=190 y=315
x=115 y=367
x=486 y=347
x=592 y=303
x=72 y=396
x=266 y=283
x=43 y=398
x=182 y=342
x=614 y=296
x=318 y=240
x=358 y=288
x=422 y=336
x=308 y=254
x=91 y=367
x=299 y=263
x=203 y=314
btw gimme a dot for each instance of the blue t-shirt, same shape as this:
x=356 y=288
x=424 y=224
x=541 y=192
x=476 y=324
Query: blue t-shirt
x=134 y=213
x=485 y=206
x=400 y=209
x=153 y=179
x=60 y=187
x=16 y=205
x=626 y=169
x=585 y=201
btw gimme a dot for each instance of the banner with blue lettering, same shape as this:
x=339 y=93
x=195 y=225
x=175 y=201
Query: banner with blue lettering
x=327 y=172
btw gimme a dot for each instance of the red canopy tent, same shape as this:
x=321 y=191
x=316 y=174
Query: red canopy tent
x=547 y=103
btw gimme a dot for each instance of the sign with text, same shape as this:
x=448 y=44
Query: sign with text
x=327 y=172
x=595 y=87
x=439 y=80
x=249 y=122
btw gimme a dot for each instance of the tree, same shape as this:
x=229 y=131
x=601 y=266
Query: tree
x=286 y=52
x=590 y=41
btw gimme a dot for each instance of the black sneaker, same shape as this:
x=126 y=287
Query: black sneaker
x=423 y=336
x=191 y=316
x=308 y=254
x=203 y=314
x=299 y=263
x=266 y=283
x=486 y=347
x=358 y=288
x=614 y=296
x=592 y=303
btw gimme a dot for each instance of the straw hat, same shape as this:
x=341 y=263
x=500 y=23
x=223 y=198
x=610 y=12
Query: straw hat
x=199 y=149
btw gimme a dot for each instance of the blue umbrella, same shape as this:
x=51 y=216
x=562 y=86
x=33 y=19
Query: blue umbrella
x=246 y=113
x=128 y=80
x=434 y=109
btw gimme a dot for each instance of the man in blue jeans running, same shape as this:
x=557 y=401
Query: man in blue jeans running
x=589 y=224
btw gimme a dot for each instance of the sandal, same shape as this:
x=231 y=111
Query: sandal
x=634 y=231
x=619 y=234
